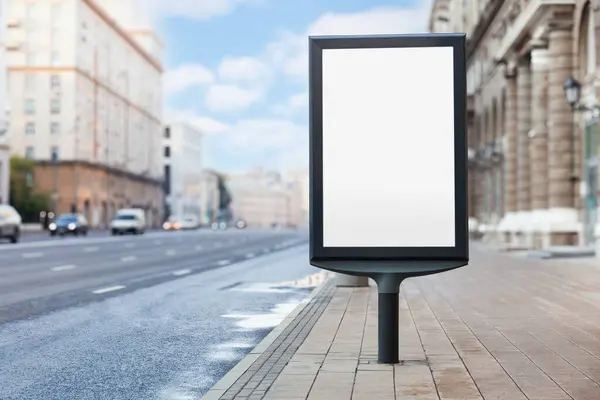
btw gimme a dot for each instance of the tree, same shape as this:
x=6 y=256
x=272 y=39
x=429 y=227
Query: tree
x=28 y=202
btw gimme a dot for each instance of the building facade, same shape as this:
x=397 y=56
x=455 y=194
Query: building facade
x=183 y=169
x=209 y=195
x=261 y=198
x=86 y=105
x=533 y=179
x=4 y=112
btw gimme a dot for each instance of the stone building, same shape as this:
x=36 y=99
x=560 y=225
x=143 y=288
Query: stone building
x=532 y=155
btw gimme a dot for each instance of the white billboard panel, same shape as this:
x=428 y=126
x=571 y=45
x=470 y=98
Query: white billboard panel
x=388 y=147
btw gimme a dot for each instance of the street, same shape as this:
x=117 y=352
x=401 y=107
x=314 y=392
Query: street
x=163 y=315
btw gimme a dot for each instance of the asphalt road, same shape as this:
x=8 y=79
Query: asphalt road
x=43 y=236
x=161 y=316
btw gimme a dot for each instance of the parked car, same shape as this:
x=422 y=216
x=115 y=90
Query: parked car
x=10 y=223
x=190 y=222
x=69 y=224
x=129 y=220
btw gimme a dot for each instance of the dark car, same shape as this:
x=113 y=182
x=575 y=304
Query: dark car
x=69 y=224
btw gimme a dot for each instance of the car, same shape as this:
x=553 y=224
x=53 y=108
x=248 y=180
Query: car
x=69 y=224
x=129 y=220
x=173 y=224
x=190 y=222
x=10 y=223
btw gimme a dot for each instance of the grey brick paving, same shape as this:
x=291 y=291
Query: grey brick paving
x=256 y=381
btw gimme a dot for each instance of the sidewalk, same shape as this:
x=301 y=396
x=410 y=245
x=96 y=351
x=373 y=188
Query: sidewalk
x=501 y=328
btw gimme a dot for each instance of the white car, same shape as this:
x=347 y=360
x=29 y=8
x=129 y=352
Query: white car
x=129 y=220
x=190 y=222
x=10 y=223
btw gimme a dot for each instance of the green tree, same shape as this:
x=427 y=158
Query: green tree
x=23 y=196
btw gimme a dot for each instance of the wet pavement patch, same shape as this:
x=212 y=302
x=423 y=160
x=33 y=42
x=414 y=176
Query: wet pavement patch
x=233 y=285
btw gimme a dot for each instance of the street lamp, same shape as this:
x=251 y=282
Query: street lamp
x=572 y=90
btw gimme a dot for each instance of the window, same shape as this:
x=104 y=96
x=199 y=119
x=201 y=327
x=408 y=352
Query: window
x=54 y=58
x=167 y=151
x=591 y=42
x=167 y=132
x=29 y=152
x=55 y=106
x=29 y=81
x=54 y=153
x=30 y=128
x=55 y=128
x=55 y=81
x=30 y=58
x=29 y=106
x=56 y=13
x=30 y=10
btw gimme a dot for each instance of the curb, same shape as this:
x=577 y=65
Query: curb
x=219 y=389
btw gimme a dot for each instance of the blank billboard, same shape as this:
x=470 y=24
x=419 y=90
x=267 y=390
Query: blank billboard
x=388 y=143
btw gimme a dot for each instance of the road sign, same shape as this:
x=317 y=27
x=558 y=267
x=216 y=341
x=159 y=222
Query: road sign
x=388 y=161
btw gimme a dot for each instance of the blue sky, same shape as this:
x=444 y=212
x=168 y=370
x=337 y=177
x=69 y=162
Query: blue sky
x=236 y=69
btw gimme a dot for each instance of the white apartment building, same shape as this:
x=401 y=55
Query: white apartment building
x=183 y=169
x=4 y=107
x=87 y=92
x=262 y=198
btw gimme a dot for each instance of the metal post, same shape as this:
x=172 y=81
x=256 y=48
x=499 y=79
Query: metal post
x=388 y=321
x=55 y=181
x=388 y=288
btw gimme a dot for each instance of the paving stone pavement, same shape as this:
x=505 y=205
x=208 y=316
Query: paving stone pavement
x=502 y=328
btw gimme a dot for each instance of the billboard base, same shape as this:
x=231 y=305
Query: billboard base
x=388 y=278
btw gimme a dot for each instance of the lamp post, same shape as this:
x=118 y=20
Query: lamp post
x=54 y=161
x=572 y=90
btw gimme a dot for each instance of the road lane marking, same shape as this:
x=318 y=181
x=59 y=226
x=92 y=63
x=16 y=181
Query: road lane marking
x=223 y=262
x=33 y=255
x=199 y=247
x=128 y=258
x=182 y=272
x=109 y=289
x=62 y=268
x=170 y=252
x=90 y=249
x=129 y=245
x=249 y=255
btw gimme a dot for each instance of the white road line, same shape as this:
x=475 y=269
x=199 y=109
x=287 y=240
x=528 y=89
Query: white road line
x=62 y=268
x=199 y=247
x=182 y=272
x=90 y=249
x=128 y=258
x=109 y=289
x=129 y=245
x=33 y=255
x=170 y=252
x=223 y=262
x=249 y=255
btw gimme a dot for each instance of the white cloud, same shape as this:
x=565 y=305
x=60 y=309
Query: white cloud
x=231 y=97
x=205 y=124
x=295 y=103
x=195 y=9
x=186 y=76
x=291 y=50
x=244 y=69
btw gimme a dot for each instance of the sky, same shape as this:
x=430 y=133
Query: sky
x=238 y=69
